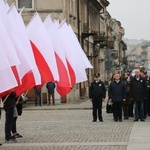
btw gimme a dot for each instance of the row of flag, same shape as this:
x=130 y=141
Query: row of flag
x=40 y=52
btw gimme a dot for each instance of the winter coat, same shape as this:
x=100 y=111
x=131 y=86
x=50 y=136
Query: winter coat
x=138 y=89
x=10 y=101
x=50 y=87
x=97 y=90
x=117 y=91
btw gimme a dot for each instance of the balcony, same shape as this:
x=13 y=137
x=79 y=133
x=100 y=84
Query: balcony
x=86 y=31
x=114 y=54
x=100 y=38
x=110 y=44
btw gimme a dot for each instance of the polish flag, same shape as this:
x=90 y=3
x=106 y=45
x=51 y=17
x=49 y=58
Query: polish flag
x=5 y=40
x=64 y=85
x=74 y=58
x=8 y=47
x=78 y=48
x=42 y=49
x=32 y=76
x=7 y=78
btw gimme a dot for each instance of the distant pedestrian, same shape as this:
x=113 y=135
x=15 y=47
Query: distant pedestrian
x=138 y=94
x=97 y=94
x=117 y=94
x=37 y=95
x=51 y=92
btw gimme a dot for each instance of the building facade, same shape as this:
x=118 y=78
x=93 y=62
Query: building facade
x=96 y=31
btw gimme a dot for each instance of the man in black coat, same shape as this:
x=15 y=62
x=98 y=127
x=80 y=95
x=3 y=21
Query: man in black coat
x=117 y=94
x=138 y=94
x=97 y=94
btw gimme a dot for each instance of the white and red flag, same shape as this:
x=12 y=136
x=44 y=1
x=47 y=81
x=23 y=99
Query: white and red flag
x=42 y=49
x=71 y=52
x=64 y=85
x=32 y=76
x=7 y=78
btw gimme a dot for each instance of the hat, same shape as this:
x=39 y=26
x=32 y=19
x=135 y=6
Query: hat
x=96 y=75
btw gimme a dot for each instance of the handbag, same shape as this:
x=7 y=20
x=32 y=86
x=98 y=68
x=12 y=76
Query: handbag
x=109 y=107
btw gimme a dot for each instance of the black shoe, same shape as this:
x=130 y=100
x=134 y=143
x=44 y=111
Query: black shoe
x=120 y=120
x=126 y=118
x=17 y=135
x=94 y=120
x=135 y=120
x=101 y=120
x=115 y=120
x=11 y=141
x=0 y=144
x=142 y=120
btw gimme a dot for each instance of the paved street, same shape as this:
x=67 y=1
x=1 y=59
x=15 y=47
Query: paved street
x=70 y=127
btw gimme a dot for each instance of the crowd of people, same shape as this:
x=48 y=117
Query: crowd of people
x=129 y=95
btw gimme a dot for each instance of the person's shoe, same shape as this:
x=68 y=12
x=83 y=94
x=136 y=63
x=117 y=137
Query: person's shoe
x=120 y=120
x=94 y=120
x=126 y=118
x=0 y=144
x=17 y=135
x=142 y=120
x=135 y=120
x=11 y=141
x=101 y=120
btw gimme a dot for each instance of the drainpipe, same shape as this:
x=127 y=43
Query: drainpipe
x=78 y=19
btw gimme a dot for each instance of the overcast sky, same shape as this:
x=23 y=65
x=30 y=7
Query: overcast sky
x=134 y=16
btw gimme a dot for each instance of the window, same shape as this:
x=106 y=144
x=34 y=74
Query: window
x=72 y=7
x=28 y=4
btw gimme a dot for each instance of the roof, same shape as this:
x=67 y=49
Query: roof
x=146 y=44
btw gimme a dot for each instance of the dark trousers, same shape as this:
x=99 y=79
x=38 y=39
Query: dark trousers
x=37 y=97
x=139 y=110
x=97 y=107
x=117 y=110
x=14 y=129
x=8 y=123
x=145 y=108
x=126 y=110
x=131 y=109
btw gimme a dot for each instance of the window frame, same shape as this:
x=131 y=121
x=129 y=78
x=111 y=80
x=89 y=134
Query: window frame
x=28 y=9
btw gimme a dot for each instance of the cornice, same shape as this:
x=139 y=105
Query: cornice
x=96 y=4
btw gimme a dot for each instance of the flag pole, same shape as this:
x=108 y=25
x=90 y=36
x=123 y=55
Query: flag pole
x=5 y=99
x=10 y=8
x=61 y=24
x=47 y=17
x=21 y=10
x=32 y=19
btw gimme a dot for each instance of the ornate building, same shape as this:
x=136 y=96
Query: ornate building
x=96 y=31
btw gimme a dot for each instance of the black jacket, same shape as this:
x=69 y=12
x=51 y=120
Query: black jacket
x=117 y=91
x=138 y=89
x=10 y=101
x=97 y=90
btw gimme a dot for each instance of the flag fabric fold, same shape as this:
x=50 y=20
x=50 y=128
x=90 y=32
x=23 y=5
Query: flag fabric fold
x=41 y=44
x=64 y=85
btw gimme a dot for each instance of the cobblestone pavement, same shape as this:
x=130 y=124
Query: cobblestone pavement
x=67 y=129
